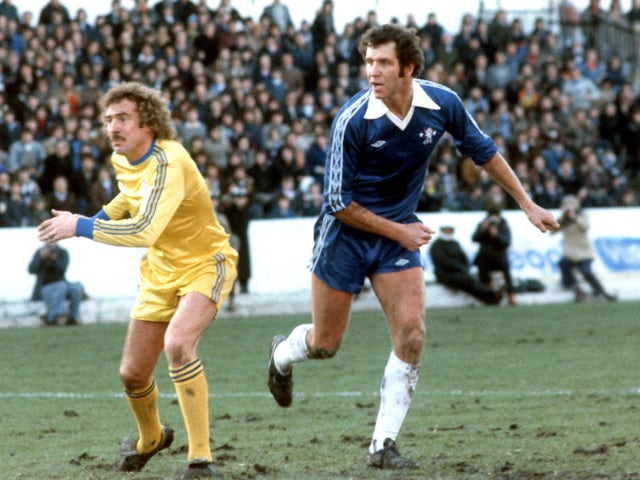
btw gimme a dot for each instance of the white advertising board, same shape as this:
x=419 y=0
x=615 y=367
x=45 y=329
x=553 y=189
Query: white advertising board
x=281 y=249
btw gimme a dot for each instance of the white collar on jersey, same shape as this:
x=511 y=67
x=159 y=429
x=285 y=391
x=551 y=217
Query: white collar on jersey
x=376 y=108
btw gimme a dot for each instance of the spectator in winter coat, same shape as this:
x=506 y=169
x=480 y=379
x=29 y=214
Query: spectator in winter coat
x=577 y=253
x=451 y=266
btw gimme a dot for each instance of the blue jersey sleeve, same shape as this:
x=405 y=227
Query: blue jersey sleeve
x=469 y=139
x=343 y=155
x=84 y=227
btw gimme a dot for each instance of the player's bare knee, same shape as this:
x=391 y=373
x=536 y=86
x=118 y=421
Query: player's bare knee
x=414 y=345
x=132 y=380
x=414 y=339
x=177 y=353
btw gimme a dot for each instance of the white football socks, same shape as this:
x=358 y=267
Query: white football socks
x=396 y=392
x=293 y=349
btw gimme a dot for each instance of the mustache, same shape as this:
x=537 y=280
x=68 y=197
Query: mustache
x=117 y=137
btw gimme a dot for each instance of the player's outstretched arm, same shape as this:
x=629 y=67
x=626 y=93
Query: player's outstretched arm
x=500 y=171
x=60 y=226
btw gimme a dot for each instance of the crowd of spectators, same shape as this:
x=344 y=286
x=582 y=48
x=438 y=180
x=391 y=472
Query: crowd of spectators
x=253 y=101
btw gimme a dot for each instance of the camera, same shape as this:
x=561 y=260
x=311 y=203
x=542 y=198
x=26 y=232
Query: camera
x=49 y=252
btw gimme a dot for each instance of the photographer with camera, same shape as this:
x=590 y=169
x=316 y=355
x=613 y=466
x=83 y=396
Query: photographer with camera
x=494 y=236
x=49 y=264
x=577 y=252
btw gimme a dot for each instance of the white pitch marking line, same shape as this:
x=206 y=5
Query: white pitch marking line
x=432 y=393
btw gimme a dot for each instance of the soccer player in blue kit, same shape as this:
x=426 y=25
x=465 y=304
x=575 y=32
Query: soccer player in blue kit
x=378 y=155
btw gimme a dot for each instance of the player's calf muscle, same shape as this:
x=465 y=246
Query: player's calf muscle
x=322 y=353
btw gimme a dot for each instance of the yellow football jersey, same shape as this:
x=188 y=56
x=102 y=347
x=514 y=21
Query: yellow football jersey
x=164 y=205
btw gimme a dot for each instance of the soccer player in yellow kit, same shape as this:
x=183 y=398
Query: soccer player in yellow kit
x=186 y=274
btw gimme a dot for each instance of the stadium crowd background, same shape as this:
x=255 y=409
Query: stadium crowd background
x=253 y=101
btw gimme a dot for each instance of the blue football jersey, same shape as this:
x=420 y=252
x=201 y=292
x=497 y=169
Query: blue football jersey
x=380 y=161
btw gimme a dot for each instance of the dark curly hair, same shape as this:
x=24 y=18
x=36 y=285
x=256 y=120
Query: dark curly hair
x=151 y=106
x=407 y=43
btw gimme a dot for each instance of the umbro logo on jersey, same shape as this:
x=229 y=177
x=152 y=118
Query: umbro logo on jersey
x=378 y=144
x=402 y=262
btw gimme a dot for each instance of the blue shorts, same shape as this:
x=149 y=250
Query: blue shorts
x=344 y=256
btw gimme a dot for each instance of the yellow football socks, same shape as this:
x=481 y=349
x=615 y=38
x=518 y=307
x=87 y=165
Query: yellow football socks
x=193 y=396
x=144 y=405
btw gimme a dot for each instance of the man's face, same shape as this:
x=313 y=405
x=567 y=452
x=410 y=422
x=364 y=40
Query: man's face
x=383 y=70
x=127 y=136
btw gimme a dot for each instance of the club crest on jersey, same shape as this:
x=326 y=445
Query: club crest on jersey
x=427 y=134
